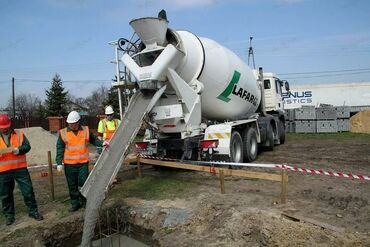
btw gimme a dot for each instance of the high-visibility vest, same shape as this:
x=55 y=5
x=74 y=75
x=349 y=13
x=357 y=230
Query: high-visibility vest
x=10 y=161
x=76 y=150
x=109 y=132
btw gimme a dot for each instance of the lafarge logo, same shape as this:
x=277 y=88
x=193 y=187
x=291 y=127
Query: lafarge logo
x=303 y=97
x=233 y=88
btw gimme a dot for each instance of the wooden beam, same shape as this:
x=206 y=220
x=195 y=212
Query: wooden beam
x=138 y=167
x=284 y=186
x=215 y=170
x=222 y=181
x=300 y=218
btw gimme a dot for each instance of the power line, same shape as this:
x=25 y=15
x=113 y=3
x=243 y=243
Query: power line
x=63 y=81
x=325 y=71
x=341 y=74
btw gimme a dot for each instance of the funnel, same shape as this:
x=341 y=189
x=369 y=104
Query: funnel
x=151 y=30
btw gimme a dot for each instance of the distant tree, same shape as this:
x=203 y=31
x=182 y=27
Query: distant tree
x=112 y=99
x=94 y=102
x=56 y=98
x=40 y=111
x=26 y=105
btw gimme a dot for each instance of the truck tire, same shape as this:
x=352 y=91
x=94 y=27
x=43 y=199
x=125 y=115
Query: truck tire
x=250 y=144
x=236 y=147
x=269 y=144
x=282 y=132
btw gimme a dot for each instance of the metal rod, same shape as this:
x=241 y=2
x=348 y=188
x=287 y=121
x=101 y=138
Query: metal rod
x=118 y=74
x=100 y=233
x=51 y=177
x=117 y=225
x=109 y=228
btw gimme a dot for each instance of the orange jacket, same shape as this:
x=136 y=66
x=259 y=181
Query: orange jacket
x=10 y=161
x=76 y=150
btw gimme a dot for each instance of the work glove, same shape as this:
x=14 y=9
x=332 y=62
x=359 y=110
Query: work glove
x=59 y=168
x=106 y=144
x=15 y=151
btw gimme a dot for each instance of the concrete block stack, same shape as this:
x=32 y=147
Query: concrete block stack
x=343 y=115
x=323 y=119
x=304 y=120
x=326 y=120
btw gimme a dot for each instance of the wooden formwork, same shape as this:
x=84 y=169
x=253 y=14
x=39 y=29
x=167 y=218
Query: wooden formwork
x=282 y=178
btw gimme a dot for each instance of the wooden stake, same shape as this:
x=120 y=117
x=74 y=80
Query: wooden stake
x=284 y=186
x=222 y=181
x=51 y=178
x=138 y=167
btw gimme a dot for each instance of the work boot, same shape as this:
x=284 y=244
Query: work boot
x=9 y=220
x=37 y=216
x=74 y=208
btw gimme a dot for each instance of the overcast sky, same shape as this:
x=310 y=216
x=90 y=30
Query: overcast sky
x=305 y=41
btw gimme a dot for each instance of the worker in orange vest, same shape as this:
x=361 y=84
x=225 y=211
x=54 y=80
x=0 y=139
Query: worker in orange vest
x=108 y=125
x=73 y=151
x=13 y=167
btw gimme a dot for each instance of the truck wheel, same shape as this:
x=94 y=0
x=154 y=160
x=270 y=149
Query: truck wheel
x=236 y=147
x=250 y=144
x=269 y=144
x=282 y=132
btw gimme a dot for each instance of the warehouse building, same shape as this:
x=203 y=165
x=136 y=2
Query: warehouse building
x=338 y=94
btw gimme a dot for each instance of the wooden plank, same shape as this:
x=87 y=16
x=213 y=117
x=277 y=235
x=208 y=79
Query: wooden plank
x=138 y=167
x=284 y=186
x=300 y=218
x=215 y=170
x=51 y=178
x=222 y=181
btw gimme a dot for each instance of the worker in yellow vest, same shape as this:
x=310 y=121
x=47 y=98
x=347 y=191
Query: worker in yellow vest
x=13 y=167
x=108 y=125
x=73 y=151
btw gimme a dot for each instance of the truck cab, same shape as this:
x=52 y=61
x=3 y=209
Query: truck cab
x=273 y=87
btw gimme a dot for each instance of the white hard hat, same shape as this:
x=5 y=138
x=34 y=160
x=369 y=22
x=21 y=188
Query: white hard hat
x=109 y=110
x=73 y=117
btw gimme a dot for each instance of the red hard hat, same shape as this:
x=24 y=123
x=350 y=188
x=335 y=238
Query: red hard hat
x=4 y=121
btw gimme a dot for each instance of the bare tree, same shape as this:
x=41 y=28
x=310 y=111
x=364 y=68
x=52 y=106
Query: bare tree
x=26 y=105
x=94 y=102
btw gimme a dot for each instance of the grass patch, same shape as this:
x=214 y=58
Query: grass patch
x=150 y=187
x=328 y=136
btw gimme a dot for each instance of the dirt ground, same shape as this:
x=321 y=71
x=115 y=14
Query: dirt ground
x=185 y=208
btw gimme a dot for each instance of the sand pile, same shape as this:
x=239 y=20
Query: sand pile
x=360 y=123
x=41 y=142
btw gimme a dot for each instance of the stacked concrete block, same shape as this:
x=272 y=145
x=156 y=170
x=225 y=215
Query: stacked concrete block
x=343 y=125
x=305 y=113
x=326 y=113
x=326 y=126
x=343 y=112
x=343 y=115
x=304 y=126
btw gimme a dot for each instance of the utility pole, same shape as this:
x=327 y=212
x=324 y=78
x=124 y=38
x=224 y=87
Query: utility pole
x=250 y=53
x=13 y=91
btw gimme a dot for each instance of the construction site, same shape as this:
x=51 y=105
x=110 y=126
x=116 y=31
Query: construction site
x=206 y=150
x=176 y=207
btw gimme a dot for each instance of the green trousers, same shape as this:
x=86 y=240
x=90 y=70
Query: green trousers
x=76 y=176
x=7 y=183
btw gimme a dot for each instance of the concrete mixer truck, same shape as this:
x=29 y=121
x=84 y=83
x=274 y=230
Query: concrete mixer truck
x=214 y=107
